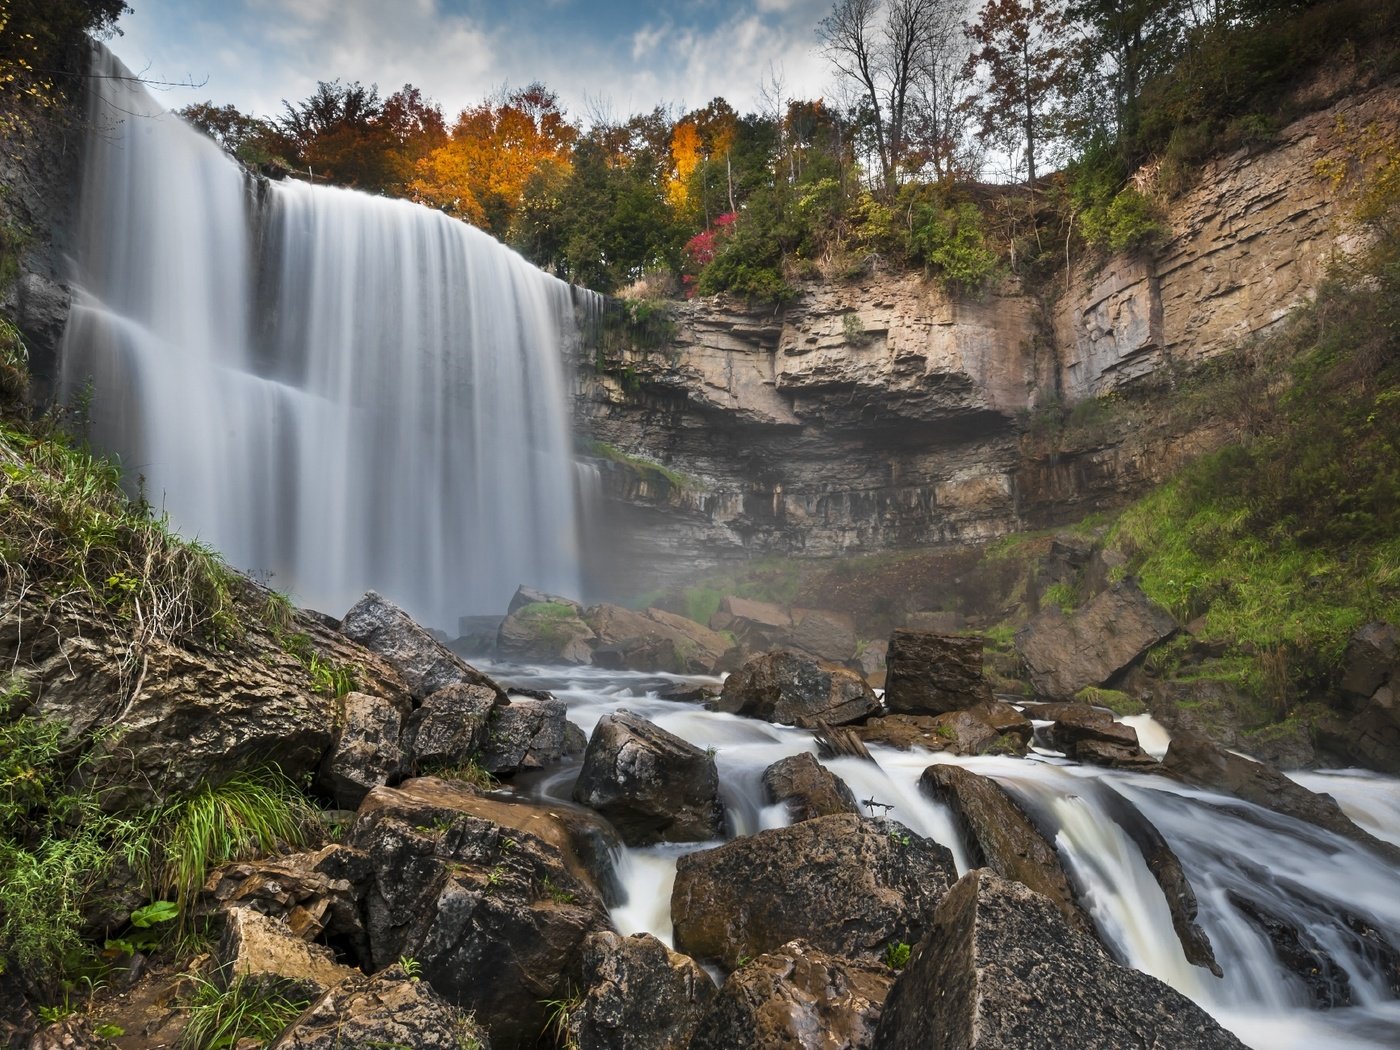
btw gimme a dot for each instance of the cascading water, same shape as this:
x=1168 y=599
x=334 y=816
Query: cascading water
x=1248 y=866
x=334 y=390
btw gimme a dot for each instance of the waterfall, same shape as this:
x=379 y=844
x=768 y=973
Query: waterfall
x=336 y=391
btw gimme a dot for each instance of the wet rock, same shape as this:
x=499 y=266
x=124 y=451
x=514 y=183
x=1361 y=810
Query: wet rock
x=1063 y=654
x=1371 y=660
x=688 y=694
x=1000 y=836
x=1372 y=734
x=809 y=788
x=652 y=785
x=1162 y=862
x=490 y=897
x=450 y=727
x=957 y=732
x=524 y=734
x=1088 y=734
x=1327 y=984
x=364 y=750
x=1000 y=968
x=258 y=948
x=425 y=664
x=390 y=1009
x=790 y=689
x=843 y=884
x=639 y=995
x=548 y=631
x=796 y=998
x=1198 y=761
x=929 y=673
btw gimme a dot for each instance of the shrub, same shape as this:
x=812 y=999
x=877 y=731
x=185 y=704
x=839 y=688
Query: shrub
x=952 y=244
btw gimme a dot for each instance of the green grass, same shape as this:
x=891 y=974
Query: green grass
x=646 y=470
x=1119 y=703
x=220 y=1018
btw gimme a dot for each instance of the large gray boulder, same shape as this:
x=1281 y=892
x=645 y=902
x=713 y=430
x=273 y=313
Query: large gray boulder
x=491 y=898
x=638 y=995
x=652 y=785
x=551 y=631
x=526 y=733
x=450 y=727
x=1065 y=653
x=390 y=1009
x=808 y=788
x=927 y=673
x=845 y=885
x=999 y=835
x=796 y=998
x=792 y=689
x=425 y=664
x=1000 y=969
x=364 y=750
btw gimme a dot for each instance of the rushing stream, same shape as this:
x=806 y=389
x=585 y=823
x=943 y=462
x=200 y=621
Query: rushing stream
x=1236 y=855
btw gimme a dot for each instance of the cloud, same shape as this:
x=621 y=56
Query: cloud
x=257 y=52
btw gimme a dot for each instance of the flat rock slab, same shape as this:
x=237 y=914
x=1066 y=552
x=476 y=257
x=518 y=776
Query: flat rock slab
x=797 y=998
x=1000 y=836
x=791 y=689
x=1064 y=654
x=1000 y=969
x=927 y=673
x=843 y=884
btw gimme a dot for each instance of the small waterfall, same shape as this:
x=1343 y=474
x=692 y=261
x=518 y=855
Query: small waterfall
x=334 y=390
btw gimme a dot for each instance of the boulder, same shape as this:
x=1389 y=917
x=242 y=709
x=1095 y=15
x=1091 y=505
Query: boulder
x=655 y=640
x=262 y=949
x=1371 y=660
x=809 y=788
x=525 y=734
x=1000 y=968
x=390 y=1009
x=1091 y=735
x=491 y=898
x=796 y=998
x=872 y=658
x=450 y=727
x=652 y=785
x=1196 y=760
x=790 y=689
x=364 y=750
x=1065 y=653
x=824 y=634
x=843 y=884
x=999 y=835
x=756 y=625
x=1372 y=734
x=424 y=663
x=638 y=995
x=928 y=673
x=524 y=596
x=548 y=631
x=315 y=895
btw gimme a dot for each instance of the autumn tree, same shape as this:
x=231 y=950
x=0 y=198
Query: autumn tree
x=493 y=150
x=1021 y=47
x=39 y=41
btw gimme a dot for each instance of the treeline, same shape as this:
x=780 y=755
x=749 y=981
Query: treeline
x=932 y=150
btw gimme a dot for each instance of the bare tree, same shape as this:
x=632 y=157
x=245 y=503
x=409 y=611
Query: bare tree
x=885 y=46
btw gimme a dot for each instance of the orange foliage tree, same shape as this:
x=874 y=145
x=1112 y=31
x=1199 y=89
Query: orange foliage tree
x=481 y=172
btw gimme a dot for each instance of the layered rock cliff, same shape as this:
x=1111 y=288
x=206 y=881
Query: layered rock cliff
x=880 y=412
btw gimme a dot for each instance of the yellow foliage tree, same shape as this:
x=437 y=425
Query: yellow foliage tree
x=686 y=149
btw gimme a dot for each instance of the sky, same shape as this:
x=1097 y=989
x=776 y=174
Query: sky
x=603 y=58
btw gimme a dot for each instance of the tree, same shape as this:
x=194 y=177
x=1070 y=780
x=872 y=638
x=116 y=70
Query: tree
x=1021 y=45
x=40 y=40
x=480 y=173
x=885 y=47
x=1123 y=42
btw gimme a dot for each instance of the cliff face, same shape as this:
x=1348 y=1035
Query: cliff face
x=879 y=413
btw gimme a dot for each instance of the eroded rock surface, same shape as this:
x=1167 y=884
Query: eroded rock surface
x=638 y=995
x=1000 y=968
x=787 y=688
x=927 y=673
x=809 y=788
